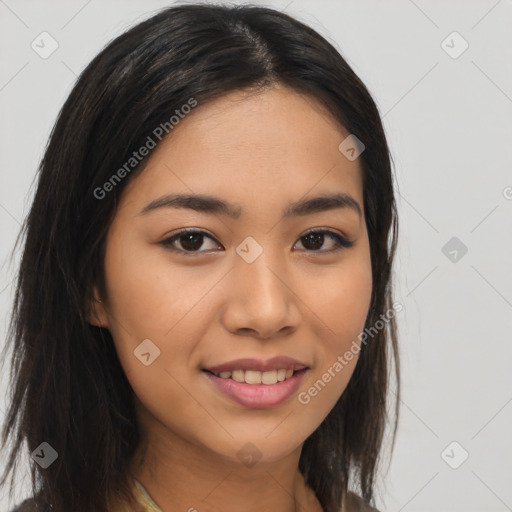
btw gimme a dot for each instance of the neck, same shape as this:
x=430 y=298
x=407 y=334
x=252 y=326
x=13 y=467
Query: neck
x=179 y=475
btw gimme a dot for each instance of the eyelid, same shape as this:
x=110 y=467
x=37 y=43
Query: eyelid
x=342 y=241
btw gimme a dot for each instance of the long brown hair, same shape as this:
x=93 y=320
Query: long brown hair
x=68 y=386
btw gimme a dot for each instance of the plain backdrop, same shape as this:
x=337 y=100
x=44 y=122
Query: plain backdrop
x=441 y=74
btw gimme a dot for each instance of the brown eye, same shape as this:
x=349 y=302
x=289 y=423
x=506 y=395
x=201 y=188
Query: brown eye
x=190 y=241
x=314 y=240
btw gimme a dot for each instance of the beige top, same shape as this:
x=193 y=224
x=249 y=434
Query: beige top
x=147 y=503
x=352 y=503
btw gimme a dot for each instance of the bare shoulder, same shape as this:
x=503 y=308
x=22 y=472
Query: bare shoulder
x=355 y=503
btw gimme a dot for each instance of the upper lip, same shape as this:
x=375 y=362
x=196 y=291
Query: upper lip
x=275 y=363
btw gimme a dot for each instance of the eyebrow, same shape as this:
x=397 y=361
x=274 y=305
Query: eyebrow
x=214 y=205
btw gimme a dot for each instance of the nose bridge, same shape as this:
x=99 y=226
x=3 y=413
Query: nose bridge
x=259 y=299
x=259 y=279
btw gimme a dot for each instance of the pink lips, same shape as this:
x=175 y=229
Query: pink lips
x=258 y=395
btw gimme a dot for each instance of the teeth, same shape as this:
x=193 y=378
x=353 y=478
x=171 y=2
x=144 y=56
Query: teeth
x=255 y=377
x=269 y=377
x=238 y=375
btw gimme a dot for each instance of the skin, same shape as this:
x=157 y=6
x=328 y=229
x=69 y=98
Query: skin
x=260 y=152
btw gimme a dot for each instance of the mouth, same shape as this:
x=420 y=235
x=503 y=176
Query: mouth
x=255 y=389
x=255 y=383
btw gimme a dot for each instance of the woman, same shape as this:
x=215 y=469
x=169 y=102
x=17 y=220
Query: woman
x=203 y=318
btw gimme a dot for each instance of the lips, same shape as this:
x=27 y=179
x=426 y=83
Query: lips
x=255 y=383
x=257 y=395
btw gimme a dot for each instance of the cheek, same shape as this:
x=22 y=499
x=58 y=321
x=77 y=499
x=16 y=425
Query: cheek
x=149 y=315
x=341 y=307
x=149 y=296
x=341 y=299
x=150 y=300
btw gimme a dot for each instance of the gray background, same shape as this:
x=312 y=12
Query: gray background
x=448 y=124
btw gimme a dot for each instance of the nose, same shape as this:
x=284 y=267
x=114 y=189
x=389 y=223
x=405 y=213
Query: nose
x=261 y=303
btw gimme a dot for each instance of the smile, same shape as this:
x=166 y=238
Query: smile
x=257 y=389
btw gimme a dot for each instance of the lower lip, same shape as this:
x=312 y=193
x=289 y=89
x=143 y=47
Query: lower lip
x=258 y=395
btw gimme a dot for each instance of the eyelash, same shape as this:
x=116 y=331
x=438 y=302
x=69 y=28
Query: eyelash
x=342 y=242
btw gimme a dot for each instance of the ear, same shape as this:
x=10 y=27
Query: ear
x=97 y=313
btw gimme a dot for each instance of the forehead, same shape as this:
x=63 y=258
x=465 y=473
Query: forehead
x=275 y=145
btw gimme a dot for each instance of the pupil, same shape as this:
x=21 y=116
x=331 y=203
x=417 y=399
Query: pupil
x=192 y=241
x=315 y=237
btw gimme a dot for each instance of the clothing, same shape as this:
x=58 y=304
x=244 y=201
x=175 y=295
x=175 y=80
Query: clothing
x=144 y=499
x=353 y=503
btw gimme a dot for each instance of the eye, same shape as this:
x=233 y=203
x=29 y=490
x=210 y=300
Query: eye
x=315 y=239
x=191 y=240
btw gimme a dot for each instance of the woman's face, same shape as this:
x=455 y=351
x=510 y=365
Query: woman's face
x=249 y=283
